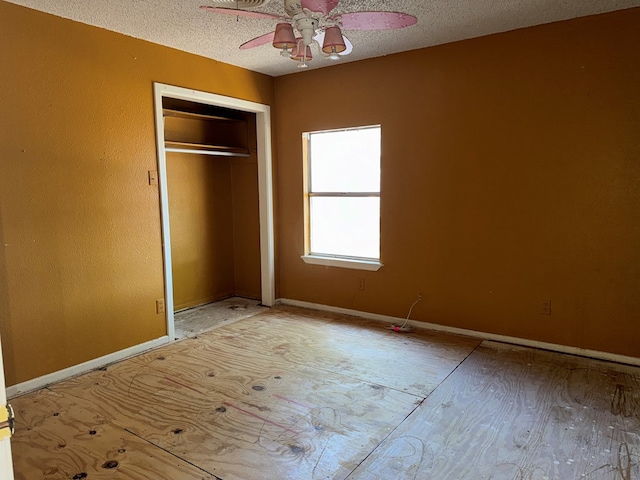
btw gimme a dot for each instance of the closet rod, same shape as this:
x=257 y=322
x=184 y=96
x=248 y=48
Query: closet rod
x=206 y=152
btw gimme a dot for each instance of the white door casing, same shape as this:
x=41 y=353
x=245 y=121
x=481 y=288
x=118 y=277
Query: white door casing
x=6 y=466
x=265 y=187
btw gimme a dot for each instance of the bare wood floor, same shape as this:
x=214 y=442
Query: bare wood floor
x=194 y=321
x=295 y=394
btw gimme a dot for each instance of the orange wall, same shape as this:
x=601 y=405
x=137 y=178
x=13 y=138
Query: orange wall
x=246 y=218
x=215 y=228
x=201 y=217
x=214 y=215
x=510 y=175
x=80 y=242
x=246 y=227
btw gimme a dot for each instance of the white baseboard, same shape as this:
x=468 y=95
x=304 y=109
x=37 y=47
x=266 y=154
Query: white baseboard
x=43 y=381
x=611 y=357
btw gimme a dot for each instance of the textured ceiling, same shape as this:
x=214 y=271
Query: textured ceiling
x=181 y=24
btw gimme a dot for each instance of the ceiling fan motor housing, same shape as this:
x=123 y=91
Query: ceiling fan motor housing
x=307 y=26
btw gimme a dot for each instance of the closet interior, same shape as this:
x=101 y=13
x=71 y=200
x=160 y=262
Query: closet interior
x=212 y=181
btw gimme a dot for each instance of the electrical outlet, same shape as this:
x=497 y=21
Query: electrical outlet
x=360 y=283
x=160 y=305
x=545 y=307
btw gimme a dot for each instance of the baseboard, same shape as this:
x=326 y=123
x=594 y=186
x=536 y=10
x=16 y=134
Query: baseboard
x=43 y=381
x=611 y=357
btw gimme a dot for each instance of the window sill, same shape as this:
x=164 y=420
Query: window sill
x=371 y=265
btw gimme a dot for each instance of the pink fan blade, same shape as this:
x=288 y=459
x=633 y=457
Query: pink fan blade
x=240 y=13
x=323 y=6
x=376 y=20
x=256 y=42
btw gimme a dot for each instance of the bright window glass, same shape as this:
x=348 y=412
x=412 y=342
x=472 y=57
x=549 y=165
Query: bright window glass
x=348 y=227
x=344 y=193
x=345 y=161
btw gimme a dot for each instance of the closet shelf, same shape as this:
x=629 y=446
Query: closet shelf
x=202 y=149
x=168 y=112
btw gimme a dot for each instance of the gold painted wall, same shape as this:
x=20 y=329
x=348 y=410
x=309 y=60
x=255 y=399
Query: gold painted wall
x=80 y=242
x=246 y=218
x=201 y=218
x=246 y=227
x=214 y=217
x=510 y=175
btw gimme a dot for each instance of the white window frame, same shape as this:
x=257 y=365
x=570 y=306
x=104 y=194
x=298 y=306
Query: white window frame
x=357 y=263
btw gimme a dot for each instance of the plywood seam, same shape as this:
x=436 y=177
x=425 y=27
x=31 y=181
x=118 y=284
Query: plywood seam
x=170 y=453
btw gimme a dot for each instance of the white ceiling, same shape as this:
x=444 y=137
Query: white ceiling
x=182 y=25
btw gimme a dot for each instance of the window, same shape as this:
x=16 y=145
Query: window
x=343 y=197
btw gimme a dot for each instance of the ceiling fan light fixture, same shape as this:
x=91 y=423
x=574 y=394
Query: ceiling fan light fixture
x=284 y=38
x=311 y=22
x=333 y=42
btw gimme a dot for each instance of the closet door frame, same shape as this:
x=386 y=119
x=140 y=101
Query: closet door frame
x=265 y=187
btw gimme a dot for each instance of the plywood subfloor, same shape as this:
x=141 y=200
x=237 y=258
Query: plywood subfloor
x=193 y=321
x=295 y=394
x=519 y=413
x=60 y=438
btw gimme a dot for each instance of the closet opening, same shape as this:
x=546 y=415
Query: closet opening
x=214 y=169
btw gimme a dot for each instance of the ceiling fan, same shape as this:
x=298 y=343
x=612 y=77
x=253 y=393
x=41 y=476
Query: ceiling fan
x=310 y=24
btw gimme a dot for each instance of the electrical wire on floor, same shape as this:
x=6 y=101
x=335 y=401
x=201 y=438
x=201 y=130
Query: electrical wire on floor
x=405 y=327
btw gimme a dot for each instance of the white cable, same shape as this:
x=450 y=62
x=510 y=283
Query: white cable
x=404 y=327
x=419 y=299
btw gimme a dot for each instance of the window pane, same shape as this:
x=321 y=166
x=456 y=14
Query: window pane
x=348 y=226
x=345 y=161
